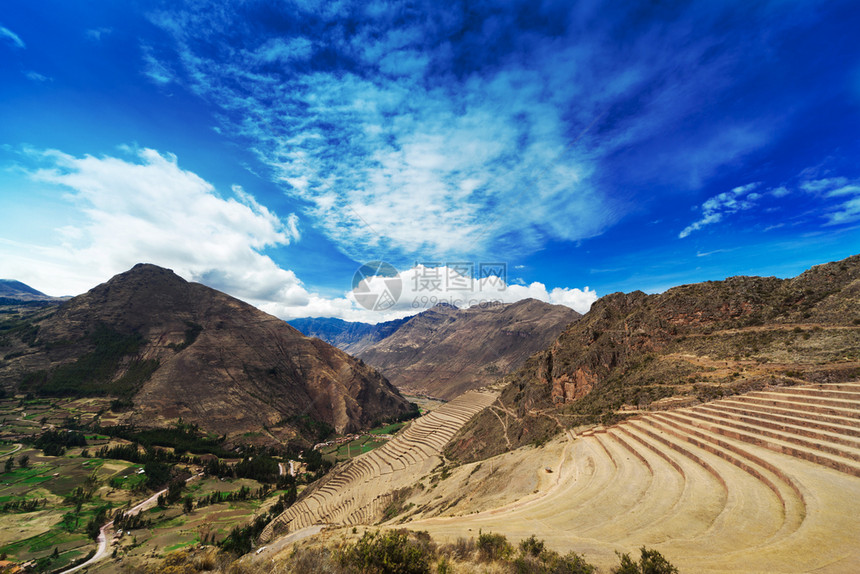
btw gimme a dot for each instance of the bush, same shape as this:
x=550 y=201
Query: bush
x=535 y=558
x=386 y=553
x=492 y=547
x=531 y=546
x=650 y=562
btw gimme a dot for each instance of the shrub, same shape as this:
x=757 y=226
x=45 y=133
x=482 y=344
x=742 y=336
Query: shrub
x=492 y=547
x=650 y=562
x=386 y=553
x=531 y=546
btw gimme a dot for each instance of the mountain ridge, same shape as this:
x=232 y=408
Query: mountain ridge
x=184 y=350
x=349 y=336
x=634 y=352
x=445 y=351
x=16 y=290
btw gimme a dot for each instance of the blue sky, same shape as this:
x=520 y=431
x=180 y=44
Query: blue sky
x=268 y=149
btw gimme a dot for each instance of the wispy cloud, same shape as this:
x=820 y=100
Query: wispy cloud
x=36 y=76
x=715 y=208
x=844 y=194
x=155 y=69
x=11 y=37
x=95 y=34
x=424 y=132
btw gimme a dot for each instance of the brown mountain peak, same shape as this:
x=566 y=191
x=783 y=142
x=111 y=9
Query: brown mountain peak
x=205 y=356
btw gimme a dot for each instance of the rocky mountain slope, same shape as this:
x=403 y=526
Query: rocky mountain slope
x=446 y=351
x=352 y=337
x=634 y=352
x=179 y=349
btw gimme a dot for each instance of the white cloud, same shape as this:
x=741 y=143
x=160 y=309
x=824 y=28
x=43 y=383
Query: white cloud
x=845 y=192
x=95 y=34
x=713 y=209
x=11 y=37
x=422 y=288
x=36 y=76
x=148 y=209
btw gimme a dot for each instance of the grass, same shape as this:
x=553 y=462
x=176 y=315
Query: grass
x=361 y=445
x=180 y=545
x=388 y=429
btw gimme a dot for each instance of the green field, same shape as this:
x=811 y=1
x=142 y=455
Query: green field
x=45 y=507
x=361 y=445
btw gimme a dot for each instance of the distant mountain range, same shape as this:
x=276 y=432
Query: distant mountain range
x=690 y=344
x=15 y=290
x=179 y=349
x=445 y=351
x=352 y=337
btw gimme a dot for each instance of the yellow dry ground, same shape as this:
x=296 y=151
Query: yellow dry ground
x=767 y=482
x=710 y=502
x=15 y=527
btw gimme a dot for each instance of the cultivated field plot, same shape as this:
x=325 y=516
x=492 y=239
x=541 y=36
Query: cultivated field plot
x=53 y=522
x=763 y=482
x=357 y=492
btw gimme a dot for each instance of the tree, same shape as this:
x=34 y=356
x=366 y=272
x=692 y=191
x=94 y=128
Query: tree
x=24 y=461
x=188 y=504
x=10 y=464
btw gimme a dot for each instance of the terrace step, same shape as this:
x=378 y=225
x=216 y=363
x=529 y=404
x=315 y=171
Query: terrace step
x=419 y=442
x=790 y=499
x=811 y=451
x=846 y=413
x=823 y=422
x=828 y=434
x=806 y=399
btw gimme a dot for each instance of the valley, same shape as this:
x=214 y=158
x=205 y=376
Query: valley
x=716 y=426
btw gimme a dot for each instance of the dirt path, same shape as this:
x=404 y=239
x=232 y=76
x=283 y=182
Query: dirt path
x=16 y=448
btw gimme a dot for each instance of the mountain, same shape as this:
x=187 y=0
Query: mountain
x=179 y=349
x=446 y=351
x=11 y=289
x=634 y=352
x=352 y=337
